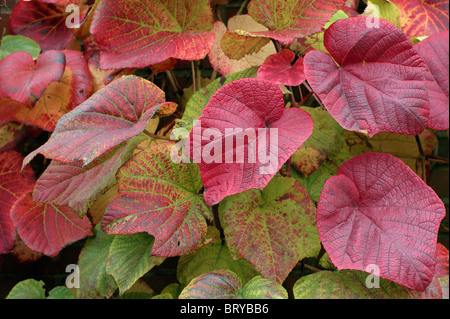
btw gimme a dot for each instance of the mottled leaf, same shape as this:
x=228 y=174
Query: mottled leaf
x=111 y=116
x=161 y=198
x=139 y=34
x=423 y=17
x=262 y=288
x=235 y=44
x=27 y=289
x=272 y=229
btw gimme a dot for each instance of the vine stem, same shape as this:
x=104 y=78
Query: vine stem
x=194 y=82
x=422 y=158
x=156 y=136
x=311 y=268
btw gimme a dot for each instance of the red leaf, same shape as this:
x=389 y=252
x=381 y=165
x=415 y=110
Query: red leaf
x=111 y=116
x=434 y=50
x=77 y=76
x=12 y=185
x=47 y=228
x=247 y=104
x=142 y=33
x=376 y=210
x=380 y=86
x=24 y=80
x=288 y=20
x=278 y=69
x=423 y=17
x=63 y=3
x=44 y=23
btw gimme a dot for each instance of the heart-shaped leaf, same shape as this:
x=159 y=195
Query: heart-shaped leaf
x=139 y=34
x=288 y=20
x=278 y=69
x=256 y=108
x=272 y=229
x=434 y=50
x=423 y=17
x=378 y=86
x=111 y=116
x=378 y=211
x=13 y=185
x=47 y=228
x=43 y=22
x=161 y=198
x=24 y=80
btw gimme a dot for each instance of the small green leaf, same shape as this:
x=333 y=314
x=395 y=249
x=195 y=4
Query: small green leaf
x=14 y=43
x=96 y=282
x=28 y=289
x=130 y=258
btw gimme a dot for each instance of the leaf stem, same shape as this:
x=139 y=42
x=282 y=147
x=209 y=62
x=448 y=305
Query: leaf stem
x=422 y=158
x=311 y=268
x=243 y=6
x=194 y=82
x=156 y=136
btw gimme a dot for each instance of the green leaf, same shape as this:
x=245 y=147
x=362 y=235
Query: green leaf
x=384 y=10
x=198 y=101
x=27 y=289
x=273 y=229
x=130 y=258
x=95 y=281
x=350 y=284
x=212 y=256
x=61 y=293
x=261 y=288
x=326 y=138
x=15 y=43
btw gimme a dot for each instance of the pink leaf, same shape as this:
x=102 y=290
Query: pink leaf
x=24 y=80
x=377 y=211
x=246 y=105
x=12 y=185
x=434 y=50
x=278 y=69
x=379 y=84
x=47 y=228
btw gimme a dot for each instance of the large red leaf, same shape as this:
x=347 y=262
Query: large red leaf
x=278 y=69
x=423 y=17
x=378 y=86
x=43 y=22
x=246 y=104
x=47 y=228
x=161 y=198
x=24 y=79
x=142 y=33
x=114 y=114
x=376 y=210
x=292 y=19
x=13 y=184
x=434 y=50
